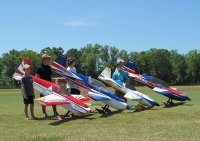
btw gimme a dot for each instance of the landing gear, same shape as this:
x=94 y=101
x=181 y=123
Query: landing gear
x=169 y=103
x=105 y=109
x=141 y=107
x=68 y=114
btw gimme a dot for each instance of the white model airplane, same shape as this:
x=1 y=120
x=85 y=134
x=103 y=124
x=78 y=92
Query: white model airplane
x=134 y=95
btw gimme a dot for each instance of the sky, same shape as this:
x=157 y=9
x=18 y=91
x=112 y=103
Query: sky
x=133 y=25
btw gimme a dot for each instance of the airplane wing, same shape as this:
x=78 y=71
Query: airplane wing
x=52 y=100
x=130 y=95
x=161 y=90
x=98 y=97
x=82 y=98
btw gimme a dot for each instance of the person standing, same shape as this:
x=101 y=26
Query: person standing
x=120 y=76
x=28 y=91
x=45 y=72
x=72 y=88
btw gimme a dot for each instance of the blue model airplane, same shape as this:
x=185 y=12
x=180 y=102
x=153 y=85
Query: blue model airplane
x=96 y=89
x=155 y=84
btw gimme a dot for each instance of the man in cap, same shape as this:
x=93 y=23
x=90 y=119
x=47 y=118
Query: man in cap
x=120 y=75
x=120 y=60
x=45 y=72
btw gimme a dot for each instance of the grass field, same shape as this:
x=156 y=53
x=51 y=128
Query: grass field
x=180 y=123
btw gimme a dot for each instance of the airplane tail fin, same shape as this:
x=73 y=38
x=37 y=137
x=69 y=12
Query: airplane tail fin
x=59 y=64
x=131 y=65
x=61 y=59
x=106 y=73
x=20 y=72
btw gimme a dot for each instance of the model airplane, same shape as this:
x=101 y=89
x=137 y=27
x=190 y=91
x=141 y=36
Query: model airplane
x=129 y=94
x=156 y=84
x=73 y=103
x=96 y=89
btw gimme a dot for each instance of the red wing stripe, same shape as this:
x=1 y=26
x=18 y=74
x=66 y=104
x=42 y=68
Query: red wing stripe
x=56 y=65
x=76 y=101
x=45 y=83
x=19 y=72
x=49 y=103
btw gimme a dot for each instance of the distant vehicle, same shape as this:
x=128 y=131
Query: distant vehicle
x=155 y=84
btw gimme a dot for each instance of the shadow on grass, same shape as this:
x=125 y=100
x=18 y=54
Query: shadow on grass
x=110 y=114
x=177 y=104
x=48 y=118
x=75 y=117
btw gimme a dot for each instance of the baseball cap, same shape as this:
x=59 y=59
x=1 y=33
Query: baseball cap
x=46 y=56
x=119 y=60
x=26 y=66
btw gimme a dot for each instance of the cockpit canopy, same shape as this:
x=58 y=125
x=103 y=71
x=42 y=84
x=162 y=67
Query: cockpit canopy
x=156 y=81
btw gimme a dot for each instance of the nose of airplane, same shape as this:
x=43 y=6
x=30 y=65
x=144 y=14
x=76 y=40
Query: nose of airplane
x=186 y=97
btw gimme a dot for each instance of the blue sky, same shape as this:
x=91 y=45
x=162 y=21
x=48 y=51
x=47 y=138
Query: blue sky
x=133 y=25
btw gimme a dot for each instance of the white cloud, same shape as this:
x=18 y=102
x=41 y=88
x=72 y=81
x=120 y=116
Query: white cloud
x=76 y=23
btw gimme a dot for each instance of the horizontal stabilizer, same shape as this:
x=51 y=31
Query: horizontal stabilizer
x=106 y=73
x=84 y=99
x=52 y=100
x=161 y=91
x=97 y=97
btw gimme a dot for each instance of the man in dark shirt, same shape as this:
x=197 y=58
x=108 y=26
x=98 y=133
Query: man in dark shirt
x=45 y=72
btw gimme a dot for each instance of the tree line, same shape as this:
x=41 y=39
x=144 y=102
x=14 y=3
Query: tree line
x=168 y=65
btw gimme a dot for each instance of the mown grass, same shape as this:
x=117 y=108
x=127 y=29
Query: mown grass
x=177 y=123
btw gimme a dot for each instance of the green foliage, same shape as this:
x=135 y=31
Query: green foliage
x=169 y=66
x=89 y=60
x=53 y=52
x=109 y=56
x=193 y=60
x=142 y=60
x=10 y=62
x=179 y=68
x=74 y=53
x=160 y=64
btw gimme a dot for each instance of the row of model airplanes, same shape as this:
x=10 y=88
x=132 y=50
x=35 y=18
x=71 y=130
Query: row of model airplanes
x=96 y=90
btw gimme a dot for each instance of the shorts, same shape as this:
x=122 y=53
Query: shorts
x=119 y=94
x=29 y=100
x=41 y=95
x=130 y=87
x=75 y=91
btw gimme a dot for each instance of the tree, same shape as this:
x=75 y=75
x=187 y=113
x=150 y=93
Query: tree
x=74 y=53
x=142 y=60
x=53 y=52
x=160 y=64
x=10 y=62
x=192 y=60
x=179 y=68
x=105 y=57
x=123 y=54
x=89 y=60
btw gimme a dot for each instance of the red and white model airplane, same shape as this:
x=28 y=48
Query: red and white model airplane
x=76 y=104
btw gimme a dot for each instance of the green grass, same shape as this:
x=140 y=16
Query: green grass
x=177 y=123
